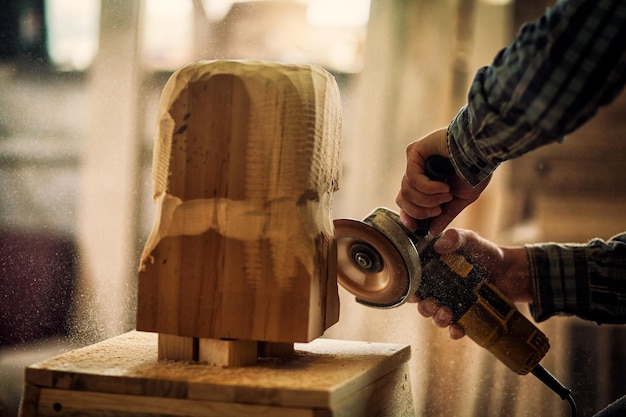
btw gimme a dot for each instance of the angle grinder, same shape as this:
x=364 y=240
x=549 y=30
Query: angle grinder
x=382 y=264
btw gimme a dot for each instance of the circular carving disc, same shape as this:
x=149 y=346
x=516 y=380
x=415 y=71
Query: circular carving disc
x=387 y=287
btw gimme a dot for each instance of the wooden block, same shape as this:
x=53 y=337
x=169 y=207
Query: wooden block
x=122 y=377
x=219 y=352
x=179 y=348
x=387 y=396
x=246 y=160
x=228 y=352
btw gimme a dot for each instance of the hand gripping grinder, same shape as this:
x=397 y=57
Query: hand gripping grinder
x=383 y=263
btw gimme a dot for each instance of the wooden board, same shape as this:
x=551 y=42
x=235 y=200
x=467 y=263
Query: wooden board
x=246 y=161
x=121 y=376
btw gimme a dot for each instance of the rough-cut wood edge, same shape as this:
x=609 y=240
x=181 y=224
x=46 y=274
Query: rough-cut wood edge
x=164 y=135
x=323 y=309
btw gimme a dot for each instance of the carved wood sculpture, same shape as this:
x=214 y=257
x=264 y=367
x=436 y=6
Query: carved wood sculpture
x=246 y=161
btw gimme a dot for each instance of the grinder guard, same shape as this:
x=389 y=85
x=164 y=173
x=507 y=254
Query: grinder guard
x=376 y=260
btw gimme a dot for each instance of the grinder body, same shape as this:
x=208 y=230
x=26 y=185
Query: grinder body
x=408 y=264
x=487 y=316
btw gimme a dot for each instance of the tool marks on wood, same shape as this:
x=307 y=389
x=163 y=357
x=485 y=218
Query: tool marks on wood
x=246 y=161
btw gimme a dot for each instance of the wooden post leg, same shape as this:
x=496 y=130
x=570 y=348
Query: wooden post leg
x=220 y=352
x=228 y=352
x=214 y=351
x=177 y=348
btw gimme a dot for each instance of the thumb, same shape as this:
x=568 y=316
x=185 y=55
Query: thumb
x=450 y=241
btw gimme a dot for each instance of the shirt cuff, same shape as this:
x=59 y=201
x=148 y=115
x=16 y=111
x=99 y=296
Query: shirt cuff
x=553 y=268
x=468 y=159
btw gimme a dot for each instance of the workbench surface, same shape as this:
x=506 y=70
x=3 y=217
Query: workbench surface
x=320 y=375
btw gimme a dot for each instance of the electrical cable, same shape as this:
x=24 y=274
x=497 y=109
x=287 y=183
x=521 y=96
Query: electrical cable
x=555 y=385
x=572 y=405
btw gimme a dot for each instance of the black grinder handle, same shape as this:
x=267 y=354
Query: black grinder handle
x=437 y=168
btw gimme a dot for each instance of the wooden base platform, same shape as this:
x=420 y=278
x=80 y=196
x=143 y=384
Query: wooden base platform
x=122 y=377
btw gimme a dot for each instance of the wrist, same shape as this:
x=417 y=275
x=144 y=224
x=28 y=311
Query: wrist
x=517 y=275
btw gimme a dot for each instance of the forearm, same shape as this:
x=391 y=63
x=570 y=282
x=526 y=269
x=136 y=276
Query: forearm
x=516 y=282
x=546 y=83
x=586 y=280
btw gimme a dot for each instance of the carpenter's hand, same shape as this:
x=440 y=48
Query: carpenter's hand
x=422 y=198
x=507 y=268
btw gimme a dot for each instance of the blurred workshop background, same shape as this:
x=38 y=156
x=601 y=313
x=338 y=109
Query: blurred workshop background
x=79 y=87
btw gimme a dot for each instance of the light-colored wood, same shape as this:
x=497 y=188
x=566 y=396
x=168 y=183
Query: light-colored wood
x=246 y=161
x=228 y=352
x=122 y=377
x=387 y=396
x=219 y=352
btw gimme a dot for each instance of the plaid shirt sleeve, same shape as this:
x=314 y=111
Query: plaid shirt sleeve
x=552 y=78
x=586 y=280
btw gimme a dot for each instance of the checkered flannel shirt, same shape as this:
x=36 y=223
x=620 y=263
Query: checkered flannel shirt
x=551 y=79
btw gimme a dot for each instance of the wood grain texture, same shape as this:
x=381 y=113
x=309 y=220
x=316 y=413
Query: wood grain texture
x=246 y=161
x=60 y=403
x=228 y=352
x=121 y=376
x=172 y=347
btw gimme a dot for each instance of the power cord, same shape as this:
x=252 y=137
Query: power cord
x=561 y=390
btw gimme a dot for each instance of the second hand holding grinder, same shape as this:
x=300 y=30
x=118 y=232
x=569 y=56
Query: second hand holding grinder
x=383 y=263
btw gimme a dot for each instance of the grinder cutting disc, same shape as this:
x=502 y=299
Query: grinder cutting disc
x=376 y=260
